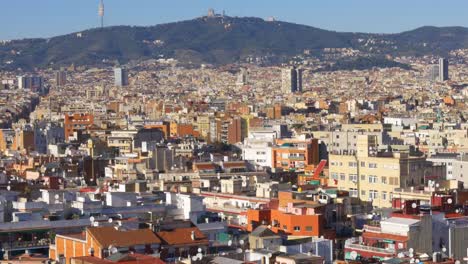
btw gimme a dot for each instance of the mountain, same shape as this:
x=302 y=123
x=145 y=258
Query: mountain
x=218 y=40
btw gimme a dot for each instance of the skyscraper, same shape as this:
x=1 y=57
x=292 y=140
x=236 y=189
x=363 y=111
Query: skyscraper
x=291 y=80
x=443 y=69
x=60 y=78
x=21 y=82
x=433 y=73
x=299 y=80
x=121 y=77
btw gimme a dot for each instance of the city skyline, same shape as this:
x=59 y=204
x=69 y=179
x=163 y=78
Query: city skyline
x=51 y=17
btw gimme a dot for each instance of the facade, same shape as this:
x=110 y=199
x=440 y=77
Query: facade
x=294 y=154
x=371 y=176
x=77 y=122
x=120 y=77
x=101 y=242
x=443 y=69
x=291 y=80
x=60 y=78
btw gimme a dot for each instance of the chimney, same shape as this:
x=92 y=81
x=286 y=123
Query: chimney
x=192 y=235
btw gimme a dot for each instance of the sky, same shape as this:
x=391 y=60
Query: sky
x=47 y=18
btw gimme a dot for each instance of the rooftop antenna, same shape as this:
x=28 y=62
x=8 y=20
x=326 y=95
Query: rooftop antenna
x=101 y=12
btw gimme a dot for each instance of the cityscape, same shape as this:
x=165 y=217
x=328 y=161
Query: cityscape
x=234 y=139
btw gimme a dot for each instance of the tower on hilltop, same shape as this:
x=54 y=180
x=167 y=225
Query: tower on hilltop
x=101 y=12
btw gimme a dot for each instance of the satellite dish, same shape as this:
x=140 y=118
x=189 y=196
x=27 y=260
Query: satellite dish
x=449 y=201
x=414 y=205
x=241 y=242
x=110 y=220
x=416 y=260
x=194 y=258
x=411 y=255
x=400 y=245
x=353 y=255
x=411 y=260
x=91 y=219
x=200 y=256
x=411 y=250
x=56 y=196
x=8 y=187
x=401 y=255
x=230 y=243
x=444 y=249
x=113 y=250
x=199 y=250
x=239 y=250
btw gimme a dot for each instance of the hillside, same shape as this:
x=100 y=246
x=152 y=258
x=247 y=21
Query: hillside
x=218 y=40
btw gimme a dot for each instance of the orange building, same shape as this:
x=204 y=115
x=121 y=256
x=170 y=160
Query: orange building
x=274 y=112
x=448 y=100
x=293 y=154
x=77 y=122
x=291 y=216
x=183 y=130
x=96 y=241
x=24 y=140
x=182 y=242
x=165 y=127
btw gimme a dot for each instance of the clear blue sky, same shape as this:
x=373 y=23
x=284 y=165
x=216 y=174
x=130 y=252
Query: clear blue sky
x=45 y=18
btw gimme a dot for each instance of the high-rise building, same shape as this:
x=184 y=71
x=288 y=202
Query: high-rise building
x=242 y=78
x=35 y=83
x=291 y=80
x=121 y=77
x=60 y=78
x=433 y=73
x=299 y=80
x=443 y=69
x=21 y=82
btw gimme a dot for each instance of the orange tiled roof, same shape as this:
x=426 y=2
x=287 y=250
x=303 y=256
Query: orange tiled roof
x=108 y=235
x=132 y=259
x=180 y=236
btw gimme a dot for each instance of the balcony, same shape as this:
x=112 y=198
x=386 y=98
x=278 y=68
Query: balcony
x=389 y=251
x=22 y=245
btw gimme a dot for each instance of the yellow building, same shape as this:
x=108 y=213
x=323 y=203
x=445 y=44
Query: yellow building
x=373 y=176
x=203 y=125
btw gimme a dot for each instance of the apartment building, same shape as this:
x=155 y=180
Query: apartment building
x=294 y=154
x=76 y=122
x=372 y=176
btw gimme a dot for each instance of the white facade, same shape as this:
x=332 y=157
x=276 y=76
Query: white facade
x=257 y=151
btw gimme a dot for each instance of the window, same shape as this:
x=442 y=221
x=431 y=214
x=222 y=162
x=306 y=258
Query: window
x=353 y=192
x=384 y=180
x=384 y=195
x=352 y=164
x=372 y=165
x=297 y=228
x=363 y=192
x=353 y=177
x=309 y=228
x=334 y=175
x=363 y=164
x=342 y=176
x=363 y=177
x=372 y=179
x=285 y=227
x=373 y=194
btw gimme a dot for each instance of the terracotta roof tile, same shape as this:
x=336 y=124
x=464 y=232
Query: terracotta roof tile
x=108 y=235
x=181 y=236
